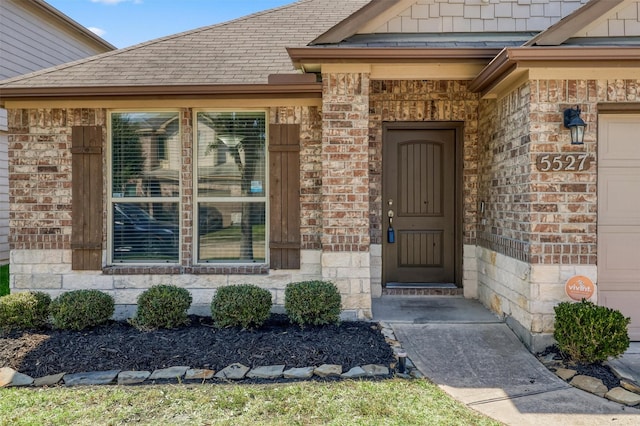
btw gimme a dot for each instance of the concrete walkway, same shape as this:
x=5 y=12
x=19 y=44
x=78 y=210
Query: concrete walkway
x=474 y=357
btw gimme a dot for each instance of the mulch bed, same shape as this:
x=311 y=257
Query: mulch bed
x=120 y=346
x=596 y=369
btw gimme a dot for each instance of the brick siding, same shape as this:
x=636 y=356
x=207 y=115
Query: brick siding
x=345 y=167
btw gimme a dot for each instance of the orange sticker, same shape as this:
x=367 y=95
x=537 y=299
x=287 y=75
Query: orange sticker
x=579 y=287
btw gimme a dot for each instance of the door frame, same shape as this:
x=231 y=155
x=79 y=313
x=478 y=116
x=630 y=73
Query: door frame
x=458 y=128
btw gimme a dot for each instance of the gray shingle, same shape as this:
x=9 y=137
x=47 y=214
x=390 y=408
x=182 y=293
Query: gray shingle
x=242 y=51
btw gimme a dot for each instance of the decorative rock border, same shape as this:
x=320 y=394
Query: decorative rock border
x=628 y=393
x=234 y=372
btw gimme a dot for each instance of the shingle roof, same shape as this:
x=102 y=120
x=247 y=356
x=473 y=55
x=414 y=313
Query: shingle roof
x=242 y=51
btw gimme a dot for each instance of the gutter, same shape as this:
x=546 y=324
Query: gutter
x=301 y=55
x=510 y=58
x=198 y=91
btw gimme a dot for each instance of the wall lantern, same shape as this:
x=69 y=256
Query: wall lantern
x=575 y=124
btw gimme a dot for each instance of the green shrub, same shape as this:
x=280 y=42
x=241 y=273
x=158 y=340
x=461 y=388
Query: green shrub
x=24 y=310
x=4 y=280
x=312 y=302
x=162 y=306
x=243 y=305
x=80 y=309
x=590 y=333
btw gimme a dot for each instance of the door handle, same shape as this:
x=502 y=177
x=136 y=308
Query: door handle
x=391 y=233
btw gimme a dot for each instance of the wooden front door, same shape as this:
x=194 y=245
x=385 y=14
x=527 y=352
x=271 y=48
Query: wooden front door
x=419 y=203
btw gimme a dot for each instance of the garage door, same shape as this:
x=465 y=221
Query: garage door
x=619 y=215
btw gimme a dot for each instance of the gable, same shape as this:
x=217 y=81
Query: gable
x=455 y=16
x=623 y=21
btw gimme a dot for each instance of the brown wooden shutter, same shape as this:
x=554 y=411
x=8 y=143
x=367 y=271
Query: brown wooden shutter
x=284 y=195
x=86 y=233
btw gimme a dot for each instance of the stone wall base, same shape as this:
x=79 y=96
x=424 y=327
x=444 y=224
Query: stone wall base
x=50 y=271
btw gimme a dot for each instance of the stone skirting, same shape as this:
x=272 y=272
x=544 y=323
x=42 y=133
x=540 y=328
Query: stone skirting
x=50 y=271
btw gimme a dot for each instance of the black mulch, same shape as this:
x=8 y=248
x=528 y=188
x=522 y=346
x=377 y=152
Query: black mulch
x=596 y=369
x=119 y=346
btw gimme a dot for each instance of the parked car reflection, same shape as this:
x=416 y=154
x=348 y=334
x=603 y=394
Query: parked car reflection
x=137 y=235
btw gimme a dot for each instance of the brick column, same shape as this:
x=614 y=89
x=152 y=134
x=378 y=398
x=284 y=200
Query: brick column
x=345 y=188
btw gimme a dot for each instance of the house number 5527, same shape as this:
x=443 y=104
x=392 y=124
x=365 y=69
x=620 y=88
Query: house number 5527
x=563 y=162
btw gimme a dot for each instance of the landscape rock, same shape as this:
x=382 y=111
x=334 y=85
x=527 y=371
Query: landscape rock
x=566 y=373
x=266 y=372
x=11 y=378
x=132 y=377
x=630 y=385
x=235 y=371
x=50 y=380
x=299 y=373
x=354 y=373
x=198 y=374
x=169 y=373
x=91 y=378
x=623 y=396
x=589 y=384
x=375 y=370
x=328 y=370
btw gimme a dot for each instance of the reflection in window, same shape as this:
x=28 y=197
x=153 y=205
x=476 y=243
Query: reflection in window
x=145 y=187
x=231 y=187
x=141 y=233
x=145 y=154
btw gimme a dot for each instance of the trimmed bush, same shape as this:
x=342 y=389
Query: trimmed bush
x=80 y=309
x=243 y=305
x=312 y=302
x=589 y=333
x=24 y=310
x=163 y=306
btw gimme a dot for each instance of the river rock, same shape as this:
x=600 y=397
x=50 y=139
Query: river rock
x=235 y=371
x=50 y=380
x=91 y=378
x=266 y=372
x=132 y=377
x=299 y=373
x=328 y=370
x=375 y=370
x=169 y=373
x=623 y=396
x=590 y=384
x=198 y=374
x=10 y=377
x=354 y=373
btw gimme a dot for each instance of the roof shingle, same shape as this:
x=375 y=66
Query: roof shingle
x=242 y=51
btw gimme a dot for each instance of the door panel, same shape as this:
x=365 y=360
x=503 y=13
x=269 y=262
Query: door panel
x=419 y=189
x=619 y=215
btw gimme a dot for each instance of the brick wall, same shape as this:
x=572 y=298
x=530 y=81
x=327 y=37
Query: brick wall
x=310 y=120
x=40 y=182
x=504 y=168
x=40 y=175
x=345 y=166
x=422 y=100
x=542 y=217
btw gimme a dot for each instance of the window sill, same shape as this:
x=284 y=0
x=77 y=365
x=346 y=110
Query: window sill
x=261 y=269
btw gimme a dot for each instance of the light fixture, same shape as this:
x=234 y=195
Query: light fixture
x=575 y=124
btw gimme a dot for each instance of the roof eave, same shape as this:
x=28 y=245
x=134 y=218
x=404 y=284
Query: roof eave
x=301 y=55
x=510 y=58
x=177 y=91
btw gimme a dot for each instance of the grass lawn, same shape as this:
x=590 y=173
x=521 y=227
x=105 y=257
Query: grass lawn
x=389 y=402
x=4 y=280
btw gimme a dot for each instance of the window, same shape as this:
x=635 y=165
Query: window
x=145 y=187
x=231 y=187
